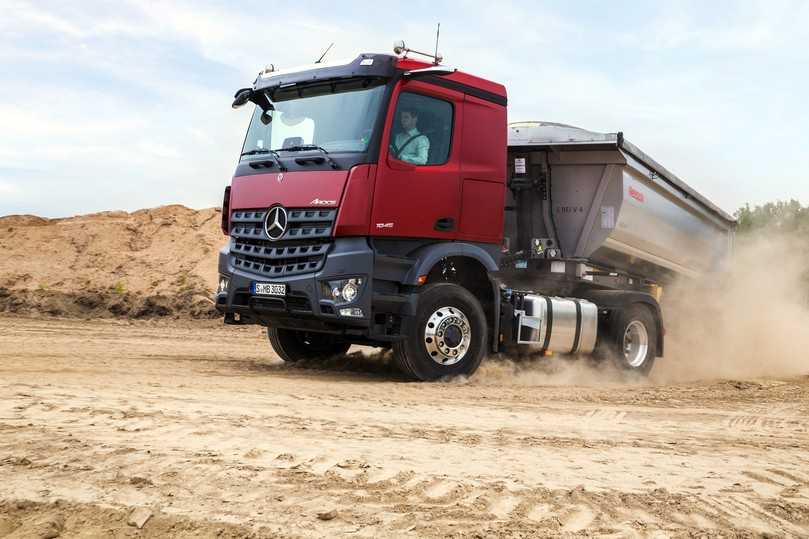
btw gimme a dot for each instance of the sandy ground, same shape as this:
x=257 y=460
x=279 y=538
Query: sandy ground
x=204 y=427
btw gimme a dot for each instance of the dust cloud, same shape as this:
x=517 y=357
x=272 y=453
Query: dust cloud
x=751 y=320
x=555 y=370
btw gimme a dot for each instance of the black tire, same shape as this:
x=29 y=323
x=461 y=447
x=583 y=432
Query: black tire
x=294 y=345
x=411 y=355
x=613 y=347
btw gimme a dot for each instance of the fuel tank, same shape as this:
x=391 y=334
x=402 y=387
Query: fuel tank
x=564 y=325
x=598 y=198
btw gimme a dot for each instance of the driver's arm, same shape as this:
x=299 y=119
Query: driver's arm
x=422 y=150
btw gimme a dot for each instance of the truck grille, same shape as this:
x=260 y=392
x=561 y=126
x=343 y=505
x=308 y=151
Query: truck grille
x=302 y=248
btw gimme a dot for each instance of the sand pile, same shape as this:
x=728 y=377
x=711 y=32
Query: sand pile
x=154 y=262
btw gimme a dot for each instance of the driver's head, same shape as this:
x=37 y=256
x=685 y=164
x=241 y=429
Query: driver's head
x=408 y=118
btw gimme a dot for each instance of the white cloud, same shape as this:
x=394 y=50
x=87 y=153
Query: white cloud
x=132 y=98
x=8 y=188
x=750 y=27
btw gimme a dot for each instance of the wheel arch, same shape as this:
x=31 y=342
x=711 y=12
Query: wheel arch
x=430 y=255
x=473 y=267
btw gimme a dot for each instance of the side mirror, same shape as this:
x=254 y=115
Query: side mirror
x=242 y=97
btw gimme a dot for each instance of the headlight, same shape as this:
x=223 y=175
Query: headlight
x=343 y=290
x=350 y=292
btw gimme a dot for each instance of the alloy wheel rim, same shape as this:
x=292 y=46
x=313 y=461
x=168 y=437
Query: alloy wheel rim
x=447 y=336
x=636 y=343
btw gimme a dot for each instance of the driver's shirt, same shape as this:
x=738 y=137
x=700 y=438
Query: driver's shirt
x=417 y=150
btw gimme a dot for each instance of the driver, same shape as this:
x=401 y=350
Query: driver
x=411 y=145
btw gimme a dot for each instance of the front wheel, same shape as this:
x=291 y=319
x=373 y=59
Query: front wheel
x=294 y=345
x=448 y=337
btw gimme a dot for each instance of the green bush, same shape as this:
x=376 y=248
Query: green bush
x=780 y=216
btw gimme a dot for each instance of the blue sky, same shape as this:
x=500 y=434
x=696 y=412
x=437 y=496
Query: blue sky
x=124 y=105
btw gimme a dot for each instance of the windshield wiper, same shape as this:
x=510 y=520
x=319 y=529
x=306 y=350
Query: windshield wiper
x=272 y=153
x=307 y=147
x=254 y=152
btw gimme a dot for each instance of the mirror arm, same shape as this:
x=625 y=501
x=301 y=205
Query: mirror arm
x=262 y=100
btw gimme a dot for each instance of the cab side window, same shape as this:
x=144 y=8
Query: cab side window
x=422 y=130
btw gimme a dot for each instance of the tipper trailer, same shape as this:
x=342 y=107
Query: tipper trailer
x=385 y=201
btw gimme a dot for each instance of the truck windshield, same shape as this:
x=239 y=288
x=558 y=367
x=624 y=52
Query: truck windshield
x=338 y=117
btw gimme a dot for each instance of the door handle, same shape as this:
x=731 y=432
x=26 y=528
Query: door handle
x=445 y=224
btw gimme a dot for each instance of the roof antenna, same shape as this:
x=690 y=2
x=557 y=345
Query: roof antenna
x=437 y=33
x=324 y=53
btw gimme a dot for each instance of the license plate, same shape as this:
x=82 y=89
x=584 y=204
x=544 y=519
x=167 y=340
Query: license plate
x=269 y=289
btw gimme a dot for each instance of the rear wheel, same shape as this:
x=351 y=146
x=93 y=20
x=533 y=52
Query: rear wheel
x=448 y=337
x=294 y=345
x=632 y=341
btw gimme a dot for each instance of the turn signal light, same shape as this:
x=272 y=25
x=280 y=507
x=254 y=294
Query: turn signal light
x=226 y=212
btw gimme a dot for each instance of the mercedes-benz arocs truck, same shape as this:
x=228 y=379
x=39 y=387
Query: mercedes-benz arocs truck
x=385 y=201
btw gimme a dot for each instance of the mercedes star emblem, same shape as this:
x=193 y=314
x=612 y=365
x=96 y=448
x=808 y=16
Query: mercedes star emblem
x=275 y=225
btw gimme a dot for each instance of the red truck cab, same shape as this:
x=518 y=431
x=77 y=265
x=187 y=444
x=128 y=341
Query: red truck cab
x=361 y=185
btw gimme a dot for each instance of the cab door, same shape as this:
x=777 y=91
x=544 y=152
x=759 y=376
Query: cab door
x=416 y=197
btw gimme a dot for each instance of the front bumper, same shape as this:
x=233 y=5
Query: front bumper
x=305 y=306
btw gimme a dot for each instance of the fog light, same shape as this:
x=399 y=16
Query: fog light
x=224 y=283
x=350 y=292
x=354 y=312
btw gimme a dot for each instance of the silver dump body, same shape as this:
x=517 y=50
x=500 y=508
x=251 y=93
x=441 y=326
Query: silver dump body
x=597 y=197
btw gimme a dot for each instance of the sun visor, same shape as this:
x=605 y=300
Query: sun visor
x=364 y=65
